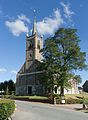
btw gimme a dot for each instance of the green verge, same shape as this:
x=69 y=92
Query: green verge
x=73 y=99
x=31 y=97
x=7 y=107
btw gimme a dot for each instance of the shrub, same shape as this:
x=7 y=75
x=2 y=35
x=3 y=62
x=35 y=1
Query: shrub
x=74 y=101
x=85 y=102
x=58 y=100
x=7 y=107
x=69 y=100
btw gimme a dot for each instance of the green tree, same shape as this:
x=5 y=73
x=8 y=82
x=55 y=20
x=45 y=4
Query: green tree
x=62 y=55
x=78 y=79
x=7 y=91
x=5 y=84
x=48 y=65
x=10 y=84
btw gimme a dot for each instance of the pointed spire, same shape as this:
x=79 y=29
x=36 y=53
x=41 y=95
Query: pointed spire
x=34 y=25
x=27 y=35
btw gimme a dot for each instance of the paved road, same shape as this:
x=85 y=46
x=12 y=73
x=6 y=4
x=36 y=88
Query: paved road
x=39 y=111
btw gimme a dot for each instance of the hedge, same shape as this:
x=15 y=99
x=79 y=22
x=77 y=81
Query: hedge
x=85 y=102
x=32 y=98
x=69 y=101
x=74 y=101
x=7 y=107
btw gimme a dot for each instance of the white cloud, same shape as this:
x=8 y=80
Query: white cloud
x=67 y=10
x=2 y=15
x=24 y=18
x=2 y=70
x=50 y=24
x=18 y=26
x=14 y=72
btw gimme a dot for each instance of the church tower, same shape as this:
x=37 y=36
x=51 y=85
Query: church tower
x=27 y=81
x=33 y=45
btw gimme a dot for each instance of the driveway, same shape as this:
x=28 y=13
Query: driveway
x=40 y=111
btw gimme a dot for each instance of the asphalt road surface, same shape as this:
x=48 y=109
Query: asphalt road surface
x=39 y=111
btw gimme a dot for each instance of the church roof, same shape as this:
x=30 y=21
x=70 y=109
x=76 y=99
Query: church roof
x=32 y=68
x=86 y=83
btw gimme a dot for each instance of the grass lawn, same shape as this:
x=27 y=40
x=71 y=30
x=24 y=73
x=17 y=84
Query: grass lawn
x=75 y=96
x=31 y=97
x=37 y=97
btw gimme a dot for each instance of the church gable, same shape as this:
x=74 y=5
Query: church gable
x=34 y=66
x=23 y=69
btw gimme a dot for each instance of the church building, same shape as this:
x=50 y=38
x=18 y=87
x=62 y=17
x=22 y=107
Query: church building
x=27 y=82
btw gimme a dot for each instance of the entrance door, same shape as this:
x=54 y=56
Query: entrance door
x=29 y=90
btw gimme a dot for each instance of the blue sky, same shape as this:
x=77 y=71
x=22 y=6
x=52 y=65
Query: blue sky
x=16 y=19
